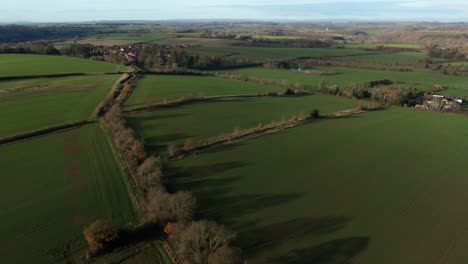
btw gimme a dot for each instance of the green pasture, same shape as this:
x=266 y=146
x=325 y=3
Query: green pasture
x=32 y=65
x=423 y=79
x=256 y=54
x=52 y=187
x=204 y=120
x=374 y=45
x=28 y=105
x=381 y=187
x=153 y=89
x=394 y=57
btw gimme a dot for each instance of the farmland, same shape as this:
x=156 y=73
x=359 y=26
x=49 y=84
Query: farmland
x=264 y=54
x=12 y=65
x=366 y=198
x=420 y=78
x=164 y=127
x=39 y=103
x=202 y=141
x=55 y=185
x=153 y=89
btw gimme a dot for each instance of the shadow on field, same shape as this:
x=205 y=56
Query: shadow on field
x=194 y=177
x=151 y=117
x=214 y=184
x=332 y=252
x=164 y=141
x=255 y=238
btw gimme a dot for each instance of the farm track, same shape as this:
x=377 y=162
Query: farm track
x=43 y=132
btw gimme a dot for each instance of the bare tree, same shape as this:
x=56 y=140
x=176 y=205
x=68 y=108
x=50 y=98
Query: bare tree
x=164 y=207
x=99 y=234
x=198 y=240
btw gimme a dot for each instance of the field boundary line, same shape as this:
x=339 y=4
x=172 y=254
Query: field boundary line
x=241 y=136
x=44 y=132
x=105 y=103
x=27 y=77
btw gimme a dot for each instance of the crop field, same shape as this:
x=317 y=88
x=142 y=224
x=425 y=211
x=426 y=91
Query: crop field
x=264 y=54
x=420 y=78
x=33 y=65
x=153 y=89
x=200 y=121
x=52 y=186
x=28 y=105
x=341 y=190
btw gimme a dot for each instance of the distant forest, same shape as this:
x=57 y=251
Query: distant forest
x=17 y=33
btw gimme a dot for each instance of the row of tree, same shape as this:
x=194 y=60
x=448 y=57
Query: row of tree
x=39 y=47
x=382 y=91
x=193 y=241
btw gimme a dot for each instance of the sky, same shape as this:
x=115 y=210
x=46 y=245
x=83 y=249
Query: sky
x=272 y=10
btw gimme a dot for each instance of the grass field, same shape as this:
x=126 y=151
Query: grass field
x=420 y=78
x=28 y=105
x=153 y=89
x=52 y=187
x=28 y=64
x=342 y=190
x=373 y=46
x=265 y=54
x=204 y=120
x=396 y=57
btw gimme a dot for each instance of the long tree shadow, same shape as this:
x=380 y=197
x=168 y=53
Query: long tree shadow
x=213 y=185
x=255 y=238
x=338 y=251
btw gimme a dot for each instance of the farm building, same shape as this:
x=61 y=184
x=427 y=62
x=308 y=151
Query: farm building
x=442 y=103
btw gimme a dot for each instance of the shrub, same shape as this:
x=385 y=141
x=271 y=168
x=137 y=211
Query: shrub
x=100 y=234
x=326 y=88
x=315 y=114
x=356 y=91
x=188 y=145
x=172 y=150
x=288 y=91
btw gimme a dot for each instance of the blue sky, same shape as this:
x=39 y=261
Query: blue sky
x=90 y=10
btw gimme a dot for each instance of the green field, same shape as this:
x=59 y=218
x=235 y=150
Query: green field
x=137 y=37
x=423 y=79
x=382 y=187
x=29 y=105
x=204 y=120
x=52 y=187
x=373 y=46
x=265 y=54
x=395 y=57
x=32 y=65
x=152 y=89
